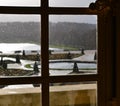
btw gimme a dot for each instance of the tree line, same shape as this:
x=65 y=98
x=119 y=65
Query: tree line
x=79 y=35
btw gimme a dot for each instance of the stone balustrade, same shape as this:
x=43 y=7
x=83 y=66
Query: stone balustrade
x=65 y=95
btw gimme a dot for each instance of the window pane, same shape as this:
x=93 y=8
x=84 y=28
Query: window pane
x=72 y=44
x=73 y=94
x=20 y=95
x=70 y=3
x=20 y=2
x=19 y=45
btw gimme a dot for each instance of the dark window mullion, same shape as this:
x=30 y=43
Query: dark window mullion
x=44 y=53
x=84 y=11
x=20 y=80
x=73 y=78
x=39 y=79
x=44 y=59
x=44 y=40
x=19 y=10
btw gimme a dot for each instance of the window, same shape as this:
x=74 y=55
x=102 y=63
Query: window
x=63 y=16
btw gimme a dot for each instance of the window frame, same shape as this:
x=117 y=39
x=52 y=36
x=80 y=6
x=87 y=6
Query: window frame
x=45 y=79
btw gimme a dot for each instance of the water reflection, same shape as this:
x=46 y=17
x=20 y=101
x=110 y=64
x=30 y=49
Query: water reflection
x=69 y=66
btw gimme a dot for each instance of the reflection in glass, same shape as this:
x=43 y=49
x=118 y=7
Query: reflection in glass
x=70 y=3
x=19 y=45
x=73 y=94
x=20 y=95
x=20 y=3
x=72 y=44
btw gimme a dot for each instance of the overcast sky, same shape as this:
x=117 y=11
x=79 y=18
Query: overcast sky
x=19 y=2
x=72 y=3
x=55 y=18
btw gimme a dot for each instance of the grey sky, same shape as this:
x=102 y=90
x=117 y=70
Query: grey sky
x=52 y=18
x=74 y=18
x=55 y=18
x=70 y=3
x=17 y=18
x=55 y=3
x=19 y=2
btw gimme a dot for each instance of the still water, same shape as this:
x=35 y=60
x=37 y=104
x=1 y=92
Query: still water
x=66 y=68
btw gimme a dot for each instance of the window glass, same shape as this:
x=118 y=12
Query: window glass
x=20 y=45
x=72 y=44
x=70 y=3
x=20 y=2
x=73 y=94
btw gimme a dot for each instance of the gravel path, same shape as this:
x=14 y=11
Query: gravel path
x=88 y=56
